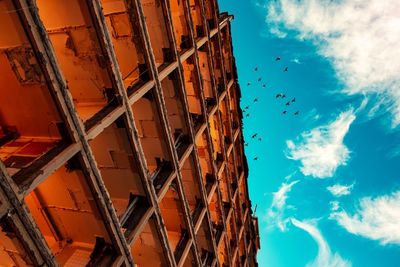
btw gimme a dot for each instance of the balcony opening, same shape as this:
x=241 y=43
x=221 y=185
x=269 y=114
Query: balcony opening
x=224 y=186
x=12 y=250
x=227 y=52
x=231 y=167
x=190 y=180
x=160 y=39
x=66 y=214
x=210 y=14
x=181 y=27
x=204 y=244
x=226 y=122
x=217 y=63
x=175 y=111
x=215 y=210
x=147 y=249
x=32 y=130
x=152 y=137
x=216 y=139
x=192 y=87
x=243 y=195
x=205 y=161
x=207 y=78
x=234 y=109
x=238 y=211
x=121 y=174
x=80 y=57
x=231 y=233
x=127 y=42
x=197 y=19
x=239 y=153
x=173 y=216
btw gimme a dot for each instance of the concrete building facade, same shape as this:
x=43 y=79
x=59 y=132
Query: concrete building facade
x=120 y=136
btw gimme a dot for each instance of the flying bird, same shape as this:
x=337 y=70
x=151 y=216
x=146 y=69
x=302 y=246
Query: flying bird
x=256 y=69
x=278 y=95
x=296 y=113
x=277 y=58
x=286 y=69
x=256 y=158
x=283 y=95
x=259 y=139
x=264 y=85
x=284 y=112
x=248 y=84
x=247 y=115
x=288 y=103
x=255 y=100
x=246 y=107
x=259 y=79
x=246 y=144
x=293 y=100
x=254 y=135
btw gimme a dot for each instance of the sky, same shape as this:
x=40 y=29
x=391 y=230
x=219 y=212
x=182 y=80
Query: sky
x=327 y=181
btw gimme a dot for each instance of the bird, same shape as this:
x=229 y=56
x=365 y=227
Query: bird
x=296 y=113
x=284 y=112
x=256 y=69
x=277 y=58
x=283 y=95
x=247 y=115
x=264 y=85
x=255 y=158
x=286 y=69
x=248 y=84
x=255 y=100
x=246 y=107
x=288 y=103
x=259 y=139
x=254 y=135
x=259 y=79
x=246 y=144
x=278 y=95
x=293 y=100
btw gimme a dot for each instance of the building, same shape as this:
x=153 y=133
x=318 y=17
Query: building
x=120 y=136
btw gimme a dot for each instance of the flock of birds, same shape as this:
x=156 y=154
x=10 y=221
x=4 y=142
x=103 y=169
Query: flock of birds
x=278 y=96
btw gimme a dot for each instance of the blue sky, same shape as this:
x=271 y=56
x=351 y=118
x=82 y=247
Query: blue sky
x=326 y=183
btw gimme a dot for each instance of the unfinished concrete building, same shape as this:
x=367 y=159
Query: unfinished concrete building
x=120 y=136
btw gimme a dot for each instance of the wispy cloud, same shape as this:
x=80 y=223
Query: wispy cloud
x=296 y=60
x=394 y=152
x=321 y=151
x=325 y=257
x=276 y=212
x=359 y=37
x=375 y=218
x=339 y=190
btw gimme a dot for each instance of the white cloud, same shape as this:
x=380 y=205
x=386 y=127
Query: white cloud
x=375 y=218
x=339 y=190
x=321 y=150
x=275 y=214
x=325 y=258
x=334 y=205
x=360 y=37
